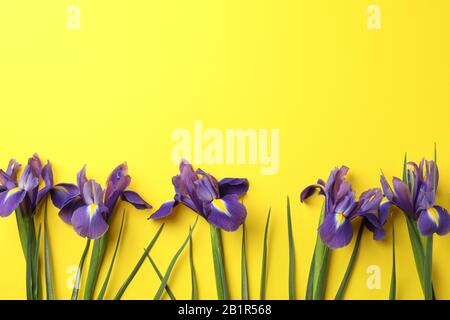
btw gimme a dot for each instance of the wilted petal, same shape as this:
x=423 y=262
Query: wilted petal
x=36 y=165
x=165 y=210
x=135 y=199
x=336 y=231
x=434 y=220
x=402 y=198
x=13 y=169
x=116 y=184
x=383 y=210
x=63 y=193
x=88 y=221
x=237 y=186
x=310 y=190
x=226 y=213
x=47 y=176
x=6 y=181
x=10 y=200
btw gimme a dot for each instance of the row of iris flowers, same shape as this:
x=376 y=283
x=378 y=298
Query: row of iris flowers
x=88 y=208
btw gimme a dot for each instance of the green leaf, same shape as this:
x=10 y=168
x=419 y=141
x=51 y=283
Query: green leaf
x=310 y=284
x=244 y=275
x=262 y=294
x=160 y=291
x=77 y=284
x=160 y=276
x=133 y=273
x=108 y=275
x=22 y=227
x=194 y=294
x=351 y=264
x=321 y=256
x=98 y=252
x=219 y=266
x=36 y=279
x=393 y=290
x=427 y=269
x=48 y=260
x=291 y=254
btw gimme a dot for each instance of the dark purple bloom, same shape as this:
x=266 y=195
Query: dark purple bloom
x=216 y=201
x=87 y=207
x=416 y=197
x=25 y=194
x=341 y=207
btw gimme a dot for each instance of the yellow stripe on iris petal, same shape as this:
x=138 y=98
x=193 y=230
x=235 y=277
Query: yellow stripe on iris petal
x=219 y=204
x=92 y=209
x=12 y=192
x=340 y=219
x=434 y=215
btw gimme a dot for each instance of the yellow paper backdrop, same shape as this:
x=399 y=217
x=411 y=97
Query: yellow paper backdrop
x=135 y=71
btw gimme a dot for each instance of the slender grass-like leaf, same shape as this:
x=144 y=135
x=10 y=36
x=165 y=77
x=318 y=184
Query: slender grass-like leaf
x=319 y=267
x=98 y=253
x=219 y=265
x=393 y=289
x=77 y=284
x=133 y=273
x=101 y=295
x=351 y=264
x=194 y=288
x=262 y=293
x=29 y=258
x=36 y=283
x=244 y=275
x=291 y=254
x=160 y=291
x=48 y=260
x=22 y=227
x=427 y=269
x=161 y=278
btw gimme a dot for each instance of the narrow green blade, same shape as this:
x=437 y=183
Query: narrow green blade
x=351 y=264
x=98 y=252
x=219 y=265
x=160 y=276
x=101 y=295
x=48 y=260
x=194 y=294
x=244 y=275
x=22 y=227
x=427 y=269
x=393 y=290
x=160 y=291
x=133 y=273
x=291 y=254
x=310 y=284
x=36 y=276
x=76 y=287
x=262 y=294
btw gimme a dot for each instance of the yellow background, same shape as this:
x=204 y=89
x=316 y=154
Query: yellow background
x=136 y=71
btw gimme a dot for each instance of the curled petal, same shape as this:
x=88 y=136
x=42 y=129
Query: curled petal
x=135 y=199
x=63 y=193
x=402 y=198
x=47 y=176
x=374 y=224
x=116 y=184
x=383 y=210
x=226 y=213
x=10 y=200
x=13 y=169
x=310 y=190
x=237 y=186
x=92 y=193
x=6 y=181
x=434 y=220
x=207 y=187
x=36 y=165
x=336 y=231
x=88 y=221
x=165 y=210
x=66 y=211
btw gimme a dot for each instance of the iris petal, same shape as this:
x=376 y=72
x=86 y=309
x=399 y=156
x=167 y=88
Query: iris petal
x=88 y=221
x=237 y=186
x=226 y=213
x=63 y=193
x=335 y=232
x=10 y=200
x=135 y=199
x=165 y=210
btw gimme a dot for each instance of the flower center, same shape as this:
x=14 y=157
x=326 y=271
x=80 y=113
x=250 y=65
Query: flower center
x=92 y=209
x=219 y=204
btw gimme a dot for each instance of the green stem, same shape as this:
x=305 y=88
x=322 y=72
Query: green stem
x=219 y=267
x=98 y=252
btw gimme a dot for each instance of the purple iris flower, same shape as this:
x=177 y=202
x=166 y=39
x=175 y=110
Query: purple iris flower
x=216 y=201
x=341 y=207
x=416 y=197
x=87 y=207
x=26 y=193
